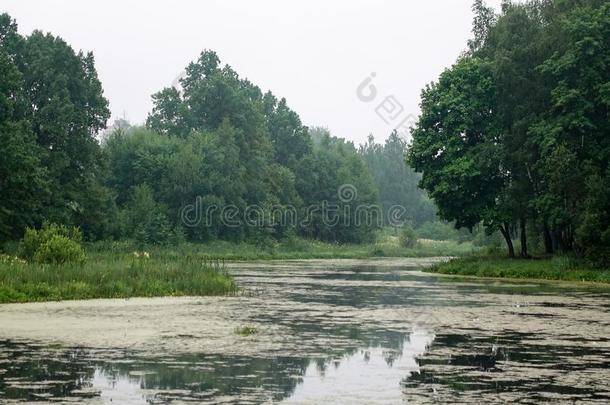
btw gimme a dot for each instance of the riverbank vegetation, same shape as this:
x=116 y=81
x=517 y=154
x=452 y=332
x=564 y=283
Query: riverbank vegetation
x=516 y=134
x=386 y=245
x=120 y=269
x=51 y=264
x=548 y=268
x=112 y=275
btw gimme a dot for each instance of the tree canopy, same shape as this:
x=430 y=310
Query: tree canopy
x=515 y=134
x=52 y=109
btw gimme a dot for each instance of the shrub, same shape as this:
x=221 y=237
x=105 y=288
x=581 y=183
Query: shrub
x=408 y=237
x=52 y=244
x=59 y=250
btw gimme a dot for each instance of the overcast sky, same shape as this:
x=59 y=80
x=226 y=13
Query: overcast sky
x=315 y=53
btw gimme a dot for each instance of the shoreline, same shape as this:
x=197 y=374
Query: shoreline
x=504 y=268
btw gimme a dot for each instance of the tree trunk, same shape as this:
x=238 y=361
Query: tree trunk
x=548 y=240
x=523 y=233
x=509 y=243
x=555 y=238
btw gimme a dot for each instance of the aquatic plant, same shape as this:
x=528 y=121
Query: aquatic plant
x=246 y=330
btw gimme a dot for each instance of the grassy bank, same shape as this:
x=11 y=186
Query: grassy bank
x=111 y=276
x=385 y=246
x=113 y=271
x=558 y=268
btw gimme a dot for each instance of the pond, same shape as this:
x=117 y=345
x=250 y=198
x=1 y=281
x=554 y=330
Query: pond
x=322 y=331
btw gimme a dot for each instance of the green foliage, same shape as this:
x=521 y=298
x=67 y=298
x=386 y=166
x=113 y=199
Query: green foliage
x=146 y=219
x=439 y=230
x=113 y=275
x=515 y=134
x=219 y=142
x=455 y=144
x=58 y=250
x=246 y=331
x=334 y=175
x=51 y=108
x=294 y=247
x=228 y=145
x=203 y=168
x=482 y=238
x=216 y=98
x=52 y=244
x=593 y=232
x=289 y=137
x=408 y=237
x=23 y=181
x=560 y=268
x=396 y=181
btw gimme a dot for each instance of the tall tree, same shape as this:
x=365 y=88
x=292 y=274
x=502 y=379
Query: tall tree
x=289 y=137
x=456 y=147
x=574 y=132
x=397 y=182
x=65 y=110
x=340 y=197
x=546 y=66
x=23 y=181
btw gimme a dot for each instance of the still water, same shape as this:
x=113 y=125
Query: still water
x=377 y=331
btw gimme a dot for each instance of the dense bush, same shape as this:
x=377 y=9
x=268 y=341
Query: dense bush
x=408 y=237
x=59 y=250
x=52 y=244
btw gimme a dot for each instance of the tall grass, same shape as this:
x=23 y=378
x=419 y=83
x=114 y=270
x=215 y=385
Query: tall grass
x=294 y=248
x=112 y=275
x=557 y=268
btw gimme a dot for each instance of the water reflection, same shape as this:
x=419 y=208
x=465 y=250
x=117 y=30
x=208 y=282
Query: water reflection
x=37 y=373
x=379 y=369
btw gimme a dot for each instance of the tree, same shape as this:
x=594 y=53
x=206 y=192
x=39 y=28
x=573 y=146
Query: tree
x=67 y=111
x=484 y=19
x=539 y=101
x=456 y=147
x=396 y=181
x=574 y=132
x=341 y=202
x=214 y=94
x=255 y=153
x=64 y=109
x=23 y=181
x=289 y=137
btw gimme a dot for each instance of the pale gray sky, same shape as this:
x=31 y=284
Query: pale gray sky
x=313 y=52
